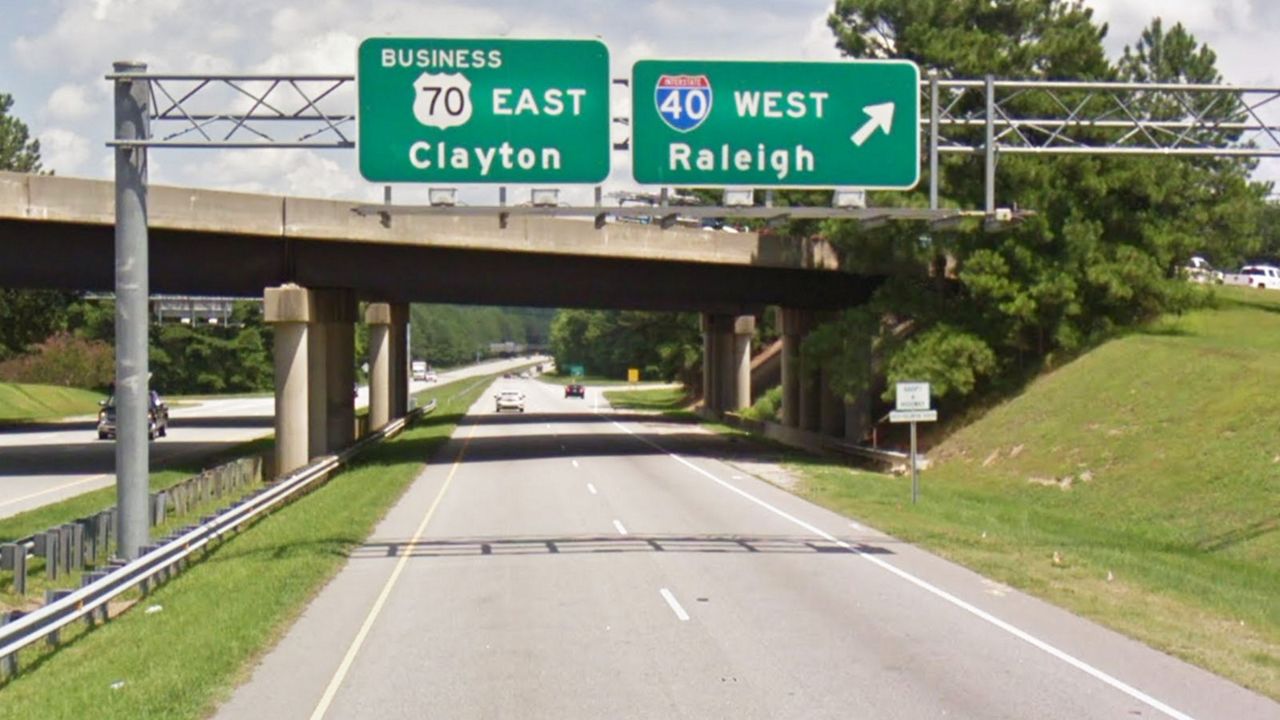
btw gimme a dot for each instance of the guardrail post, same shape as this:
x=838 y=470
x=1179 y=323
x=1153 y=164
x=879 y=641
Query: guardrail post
x=8 y=663
x=51 y=554
x=14 y=557
x=75 y=533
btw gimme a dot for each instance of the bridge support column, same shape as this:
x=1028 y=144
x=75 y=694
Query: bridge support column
x=289 y=309
x=399 y=360
x=793 y=324
x=317 y=382
x=810 y=401
x=738 y=365
x=340 y=369
x=378 y=317
x=709 y=378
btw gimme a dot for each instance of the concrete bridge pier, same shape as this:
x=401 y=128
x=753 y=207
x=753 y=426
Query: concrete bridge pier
x=290 y=309
x=794 y=325
x=399 y=360
x=338 y=315
x=726 y=361
x=378 y=317
x=388 y=362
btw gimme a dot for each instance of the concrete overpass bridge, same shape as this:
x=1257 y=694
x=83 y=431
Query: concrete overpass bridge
x=313 y=260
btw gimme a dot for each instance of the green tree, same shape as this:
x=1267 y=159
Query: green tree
x=19 y=152
x=966 y=308
x=608 y=342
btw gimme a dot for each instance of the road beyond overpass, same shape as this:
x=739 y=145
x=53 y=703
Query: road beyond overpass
x=57 y=232
x=561 y=563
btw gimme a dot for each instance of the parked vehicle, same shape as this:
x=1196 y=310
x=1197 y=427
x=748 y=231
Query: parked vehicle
x=509 y=400
x=575 y=390
x=1200 y=271
x=1266 y=277
x=157 y=418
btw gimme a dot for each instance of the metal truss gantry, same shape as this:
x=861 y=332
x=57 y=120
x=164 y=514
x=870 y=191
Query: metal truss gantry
x=987 y=117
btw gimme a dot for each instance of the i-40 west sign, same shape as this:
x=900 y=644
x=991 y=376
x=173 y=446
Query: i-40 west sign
x=776 y=124
x=483 y=110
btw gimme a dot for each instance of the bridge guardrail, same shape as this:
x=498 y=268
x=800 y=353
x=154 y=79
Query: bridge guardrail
x=161 y=561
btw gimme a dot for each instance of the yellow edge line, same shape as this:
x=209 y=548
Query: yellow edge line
x=325 y=700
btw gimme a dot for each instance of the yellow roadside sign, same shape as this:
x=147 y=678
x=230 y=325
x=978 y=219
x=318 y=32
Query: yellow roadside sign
x=633 y=375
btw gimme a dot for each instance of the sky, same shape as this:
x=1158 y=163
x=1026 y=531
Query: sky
x=54 y=54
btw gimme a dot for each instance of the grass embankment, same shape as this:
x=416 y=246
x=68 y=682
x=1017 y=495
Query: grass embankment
x=235 y=603
x=24 y=403
x=666 y=400
x=1150 y=467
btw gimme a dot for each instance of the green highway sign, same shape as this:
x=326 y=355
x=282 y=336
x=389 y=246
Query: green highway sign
x=438 y=110
x=776 y=124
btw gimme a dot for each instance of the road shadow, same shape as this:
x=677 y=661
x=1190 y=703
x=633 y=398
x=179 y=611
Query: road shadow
x=96 y=457
x=229 y=421
x=605 y=544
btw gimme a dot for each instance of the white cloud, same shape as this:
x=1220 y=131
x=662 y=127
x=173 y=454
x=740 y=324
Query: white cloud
x=63 y=151
x=69 y=102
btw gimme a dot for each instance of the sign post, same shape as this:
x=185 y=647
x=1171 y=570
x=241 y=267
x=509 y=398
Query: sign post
x=912 y=403
x=436 y=110
x=776 y=124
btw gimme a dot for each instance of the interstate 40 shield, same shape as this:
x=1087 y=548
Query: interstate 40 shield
x=706 y=123
x=483 y=110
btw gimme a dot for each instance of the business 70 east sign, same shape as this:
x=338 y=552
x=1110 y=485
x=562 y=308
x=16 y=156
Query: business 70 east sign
x=454 y=110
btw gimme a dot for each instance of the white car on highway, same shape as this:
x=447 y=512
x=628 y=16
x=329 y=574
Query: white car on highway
x=509 y=400
x=1261 y=276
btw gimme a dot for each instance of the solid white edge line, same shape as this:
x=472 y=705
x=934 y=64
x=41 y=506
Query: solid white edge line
x=621 y=530
x=1071 y=660
x=674 y=604
x=591 y=488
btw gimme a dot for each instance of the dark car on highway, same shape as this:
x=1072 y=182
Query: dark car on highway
x=575 y=390
x=157 y=418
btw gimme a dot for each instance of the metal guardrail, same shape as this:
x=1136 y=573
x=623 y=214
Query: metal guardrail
x=159 y=562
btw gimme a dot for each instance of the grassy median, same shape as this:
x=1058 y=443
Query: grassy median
x=233 y=605
x=1138 y=486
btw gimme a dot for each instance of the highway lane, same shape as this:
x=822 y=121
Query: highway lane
x=42 y=463
x=566 y=564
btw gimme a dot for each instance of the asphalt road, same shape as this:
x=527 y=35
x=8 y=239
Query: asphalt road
x=42 y=463
x=563 y=563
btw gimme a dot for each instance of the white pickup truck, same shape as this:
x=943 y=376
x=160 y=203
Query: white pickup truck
x=1266 y=277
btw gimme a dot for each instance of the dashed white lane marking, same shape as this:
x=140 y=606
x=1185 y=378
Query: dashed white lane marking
x=1023 y=635
x=621 y=530
x=591 y=488
x=674 y=604
x=854 y=525
x=575 y=463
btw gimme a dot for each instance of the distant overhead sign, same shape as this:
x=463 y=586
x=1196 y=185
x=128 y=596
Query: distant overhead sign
x=780 y=124
x=438 y=110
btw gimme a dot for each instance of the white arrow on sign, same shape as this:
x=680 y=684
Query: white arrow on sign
x=881 y=117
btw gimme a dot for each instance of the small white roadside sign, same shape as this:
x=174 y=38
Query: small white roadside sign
x=912 y=396
x=913 y=416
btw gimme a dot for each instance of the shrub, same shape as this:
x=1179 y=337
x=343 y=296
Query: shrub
x=66 y=360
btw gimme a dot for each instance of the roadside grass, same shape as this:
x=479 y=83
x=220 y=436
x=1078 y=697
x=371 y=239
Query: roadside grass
x=26 y=402
x=1149 y=466
x=661 y=399
x=559 y=379
x=235 y=603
